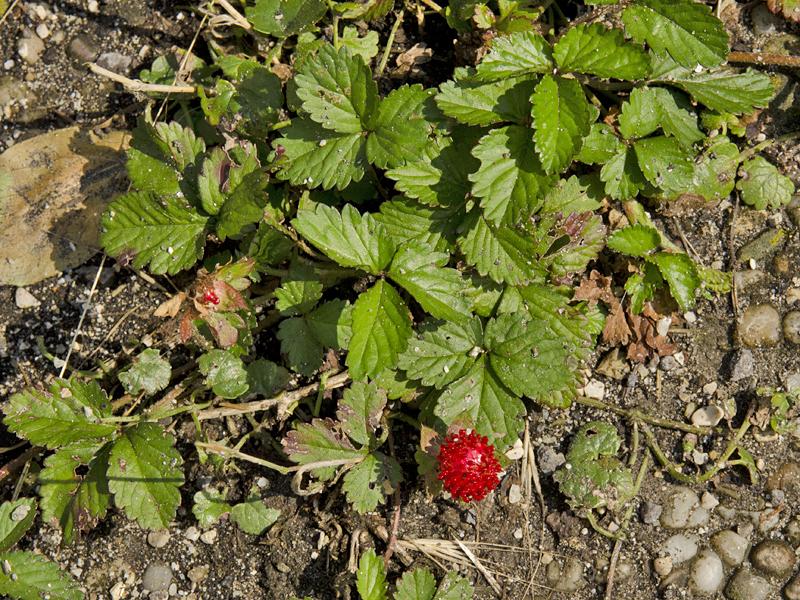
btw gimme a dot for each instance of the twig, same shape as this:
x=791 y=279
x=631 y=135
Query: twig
x=136 y=85
x=8 y=12
x=637 y=415
x=732 y=256
x=759 y=58
x=390 y=546
x=483 y=570
x=389 y=42
x=83 y=317
x=285 y=400
x=433 y=6
x=237 y=17
x=688 y=245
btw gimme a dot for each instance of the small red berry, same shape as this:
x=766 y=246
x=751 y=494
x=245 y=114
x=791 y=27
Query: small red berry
x=467 y=466
x=210 y=297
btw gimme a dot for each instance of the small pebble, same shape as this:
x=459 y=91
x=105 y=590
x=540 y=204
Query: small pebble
x=679 y=548
x=595 y=389
x=209 y=537
x=82 y=48
x=192 y=533
x=760 y=326
x=518 y=534
x=173 y=589
x=710 y=388
x=707 y=416
x=198 y=574
x=117 y=591
x=746 y=585
x=743 y=365
x=663 y=566
x=24 y=299
x=158 y=539
x=548 y=459
x=93 y=7
x=786 y=478
x=43 y=31
x=730 y=546
x=774 y=558
x=262 y=482
x=679 y=508
x=30 y=49
x=157 y=577
x=792 y=589
x=650 y=512
x=514 y=494
x=707 y=574
x=668 y=363
x=571 y=579
x=690 y=317
x=791 y=326
x=709 y=501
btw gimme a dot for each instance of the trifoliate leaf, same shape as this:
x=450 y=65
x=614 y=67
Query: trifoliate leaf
x=224 y=373
x=517 y=54
x=298 y=297
x=680 y=273
x=715 y=169
x=318 y=441
x=244 y=206
x=408 y=222
x=371 y=577
x=567 y=197
x=318 y=157
x=600 y=146
x=399 y=132
x=622 y=175
x=209 y=505
x=367 y=483
x=366 y=47
x=762 y=185
x=665 y=164
x=75 y=502
x=649 y=109
x=349 y=238
x=337 y=90
x=510 y=180
x=165 y=233
x=360 y=412
x=562 y=118
x=442 y=352
x=149 y=373
x=332 y=323
x=252 y=516
x=596 y=477
x=635 y=240
x=724 y=90
x=437 y=288
x=441 y=178
x=481 y=400
x=479 y=103
x=526 y=356
x=688 y=31
x=144 y=474
x=30 y=576
x=595 y=50
x=505 y=254
x=265 y=378
x=381 y=328
x=16 y=517
x=418 y=584
x=283 y=18
x=163 y=158
x=70 y=412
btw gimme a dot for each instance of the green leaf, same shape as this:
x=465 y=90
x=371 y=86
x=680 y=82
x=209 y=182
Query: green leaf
x=635 y=240
x=70 y=412
x=30 y=576
x=360 y=412
x=244 y=206
x=418 y=584
x=16 y=517
x=762 y=185
x=517 y=54
x=440 y=352
x=715 y=169
x=283 y=18
x=317 y=157
x=301 y=347
x=649 y=109
x=209 y=505
x=408 y=222
x=454 y=587
x=149 y=373
x=366 y=47
x=481 y=399
x=622 y=175
x=337 y=90
x=265 y=378
x=600 y=146
x=665 y=164
x=562 y=117
x=510 y=181
x=75 y=501
x=688 y=31
x=349 y=238
x=165 y=233
x=332 y=324
x=367 y=483
x=252 y=516
x=724 y=90
x=400 y=131
x=371 y=577
x=642 y=287
x=381 y=328
x=595 y=50
x=504 y=254
x=298 y=297
x=479 y=103
x=680 y=273
x=437 y=288
x=568 y=197
x=318 y=441
x=582 y=237
x=224 y=373
x=258 y=100
x=144 y=474
x=595 y=478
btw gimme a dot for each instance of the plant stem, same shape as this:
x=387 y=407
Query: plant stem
x=433 y=6
x=390 y=42
x=743 y=156
x=759 y=58
x=635 y=414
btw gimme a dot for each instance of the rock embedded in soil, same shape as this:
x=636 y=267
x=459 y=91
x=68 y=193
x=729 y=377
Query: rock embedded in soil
x=198 y=574
x=785 y=478
x=707 y=574
x=707 y=416
x=682 y=509
x=24 y=299
x=730 y=546
x=571 y=579
x=30 y=49
x=679 y=548
x=774 y=558
x=82 y=48
x=157 y=577
x=650 y=512
x=746 y=585
x=549 y=460
x=763 y=245
x=743 y=366
x=209 y=537
x=791 y=326
x=749 y=278
x=760 y=326
x=792 y=589
x=158 y=539
x=663 y=565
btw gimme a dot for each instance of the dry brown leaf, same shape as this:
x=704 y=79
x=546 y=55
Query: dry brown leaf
x=595 y=287
x=616 y=330
x=170 y=307
x=409 y=61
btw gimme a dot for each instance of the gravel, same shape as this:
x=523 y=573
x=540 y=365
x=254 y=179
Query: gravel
x=791 y=326
x=746 y=585
x=774 y=558
x=158 y=539
x=682 y=509
x=707 y=574
x=157 y=577
x=707 y=416
x=24 y=299
x=730 y=546
x=760 y=326
x=679 y=548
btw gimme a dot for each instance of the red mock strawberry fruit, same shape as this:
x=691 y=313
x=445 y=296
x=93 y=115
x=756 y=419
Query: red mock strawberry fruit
x=210 y=297
x=468 y=468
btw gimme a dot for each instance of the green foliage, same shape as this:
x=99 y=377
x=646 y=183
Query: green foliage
x=281 y=18
x=225 y=373
x=149 y=373
x=762 y=185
